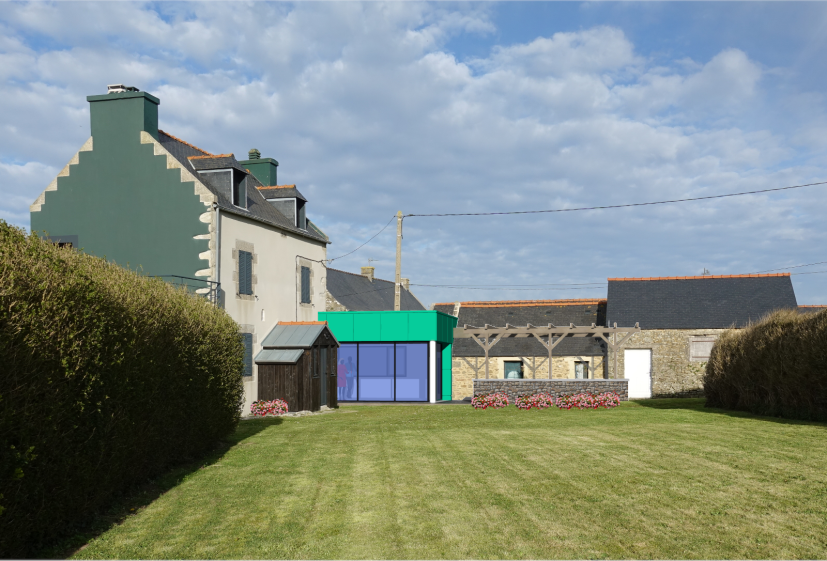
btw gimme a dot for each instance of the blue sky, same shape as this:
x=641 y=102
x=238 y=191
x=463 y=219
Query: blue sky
x=473 y=107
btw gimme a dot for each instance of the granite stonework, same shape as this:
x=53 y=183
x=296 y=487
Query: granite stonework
x=555 y=387
x=464 y=370
x=674 y=373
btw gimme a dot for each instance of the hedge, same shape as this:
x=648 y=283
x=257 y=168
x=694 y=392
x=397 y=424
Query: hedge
x=107 y=379
x=776 y=367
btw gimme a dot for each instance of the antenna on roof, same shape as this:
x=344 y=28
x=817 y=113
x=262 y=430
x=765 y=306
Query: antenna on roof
x=706 y=272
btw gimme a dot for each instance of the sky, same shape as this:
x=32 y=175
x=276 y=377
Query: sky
x=433 y=108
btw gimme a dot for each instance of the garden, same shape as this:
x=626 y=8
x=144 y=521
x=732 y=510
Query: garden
x=647 y=479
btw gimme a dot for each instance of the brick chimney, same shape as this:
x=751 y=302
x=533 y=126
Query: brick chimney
x=368 y=272
x=265 y=169
x=406 y=284
x=122 y=114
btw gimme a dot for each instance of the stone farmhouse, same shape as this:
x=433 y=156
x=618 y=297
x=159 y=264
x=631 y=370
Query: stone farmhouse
x=680 y=318
x=581 y=358
x=349 y=292
x=152 y=202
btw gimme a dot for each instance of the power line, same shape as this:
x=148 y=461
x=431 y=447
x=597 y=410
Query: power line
x=620 y=206
x=364 y=244
x=793 y=267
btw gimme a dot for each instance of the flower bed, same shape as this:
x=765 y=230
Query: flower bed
x=264 y=408
x=493 y=400
x=588 y=401
x=537 y=400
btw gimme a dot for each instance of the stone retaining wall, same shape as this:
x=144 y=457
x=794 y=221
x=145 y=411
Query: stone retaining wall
x=514 y=388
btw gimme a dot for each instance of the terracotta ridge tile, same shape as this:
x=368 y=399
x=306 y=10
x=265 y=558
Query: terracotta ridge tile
x=277 y=186
x=210 y=156
x=812 y=306
x=184 y=142
x=701 y=277
x=527 y=303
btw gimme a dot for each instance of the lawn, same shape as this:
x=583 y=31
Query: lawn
x=655 y=479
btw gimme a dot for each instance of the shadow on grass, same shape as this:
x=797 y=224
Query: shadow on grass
x=699 y=405
x=132 y=501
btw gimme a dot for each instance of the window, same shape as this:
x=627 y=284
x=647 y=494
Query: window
x=247 y=339
x=512 y=370
x=700 y=348
x=581 y=370
x=240 y=190
x=305 y=285
x=245 y=272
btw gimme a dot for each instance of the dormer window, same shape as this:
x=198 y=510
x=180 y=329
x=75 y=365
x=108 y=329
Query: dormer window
x=231 y=183
x=289 y=202
x=240 y=190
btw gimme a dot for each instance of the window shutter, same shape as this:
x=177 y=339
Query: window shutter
x=248 y=354
x=245 y=272
x=305 y=285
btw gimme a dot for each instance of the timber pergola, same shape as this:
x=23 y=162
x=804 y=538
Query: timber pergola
x=550 y=336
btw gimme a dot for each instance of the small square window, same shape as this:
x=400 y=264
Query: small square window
x=513 y=369
x=700 y=348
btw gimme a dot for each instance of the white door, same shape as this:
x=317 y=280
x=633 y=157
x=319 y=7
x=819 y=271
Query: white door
x=638 y=370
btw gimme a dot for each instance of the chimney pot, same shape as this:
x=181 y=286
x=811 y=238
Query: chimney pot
x=254 y=154
x=368 y=272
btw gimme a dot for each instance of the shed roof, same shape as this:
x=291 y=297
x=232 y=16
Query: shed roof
x=278 y=356
x=701 y=302
x=357 y=293
x=296 y=335
x=582 y=311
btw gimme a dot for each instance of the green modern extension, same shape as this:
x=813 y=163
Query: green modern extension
x=118 y=198
x=393 y=355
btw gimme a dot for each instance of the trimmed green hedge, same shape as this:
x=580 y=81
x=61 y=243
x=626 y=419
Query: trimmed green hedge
x=776 y=367
x=106 y=379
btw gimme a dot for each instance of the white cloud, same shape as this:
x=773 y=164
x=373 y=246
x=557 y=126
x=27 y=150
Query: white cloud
x=367 y=110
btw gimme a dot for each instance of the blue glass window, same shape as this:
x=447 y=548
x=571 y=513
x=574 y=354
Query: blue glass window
x=346 y=372
x=376 y=372
x=412 y=372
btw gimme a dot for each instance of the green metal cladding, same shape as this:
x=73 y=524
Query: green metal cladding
x=121 y=201
x=397 y=327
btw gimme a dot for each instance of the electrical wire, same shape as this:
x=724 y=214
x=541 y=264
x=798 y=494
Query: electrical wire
x=793 y=267
x=619 y=206
x=364 y=244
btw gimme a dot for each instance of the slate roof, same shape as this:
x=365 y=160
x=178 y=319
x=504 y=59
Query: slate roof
x=707 y=302
x=258 y=208
x=536 y=312
x=295 y=335
x=281 y=192
x=357 y=293
x=278 y=356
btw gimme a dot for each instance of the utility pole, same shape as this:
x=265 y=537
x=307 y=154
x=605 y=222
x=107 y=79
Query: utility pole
x=397 y=297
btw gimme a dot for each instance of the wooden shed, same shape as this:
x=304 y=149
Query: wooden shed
x=297 y=363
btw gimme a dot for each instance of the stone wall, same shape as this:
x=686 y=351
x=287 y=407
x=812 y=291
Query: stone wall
x=673 y=374
x=558 y=387
x=464 y=370
x=331 y=304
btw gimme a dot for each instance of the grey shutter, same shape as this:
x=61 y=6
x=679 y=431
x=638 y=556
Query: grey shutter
x=305 y=285
x=248 y=353
x=245 y=272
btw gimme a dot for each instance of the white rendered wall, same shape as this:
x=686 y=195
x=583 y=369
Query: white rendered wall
x=277 y=255
x=432 y=371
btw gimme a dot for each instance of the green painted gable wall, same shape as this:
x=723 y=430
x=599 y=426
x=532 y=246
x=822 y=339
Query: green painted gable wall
x=265 y=170
x=398 y=327
x=121 y=200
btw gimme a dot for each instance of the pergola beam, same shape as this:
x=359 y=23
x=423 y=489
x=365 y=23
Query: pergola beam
x=488 y=336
